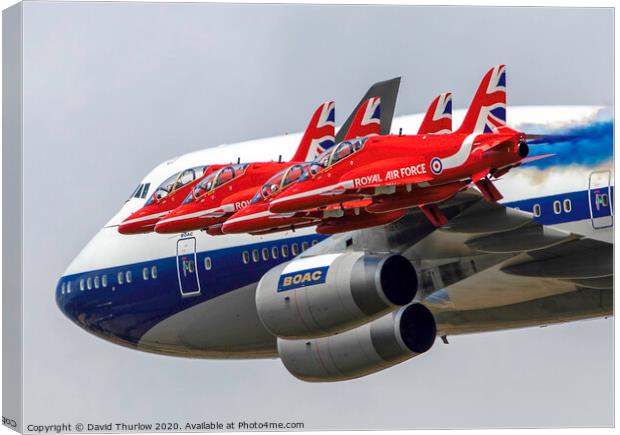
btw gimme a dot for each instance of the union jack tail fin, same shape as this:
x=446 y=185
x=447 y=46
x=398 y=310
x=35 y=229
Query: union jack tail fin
x=487 y=112
x=438 y=118
x=319 y=134
x=367 y=120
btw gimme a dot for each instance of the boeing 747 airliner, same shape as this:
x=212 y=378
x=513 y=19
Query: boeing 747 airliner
x=344 y=306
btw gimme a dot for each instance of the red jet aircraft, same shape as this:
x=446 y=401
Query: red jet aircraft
x=400 y=172
x=229 y=189
x=257 y=219
x=166 y=197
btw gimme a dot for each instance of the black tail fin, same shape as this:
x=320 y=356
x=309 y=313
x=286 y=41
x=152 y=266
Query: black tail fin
x=387 y=91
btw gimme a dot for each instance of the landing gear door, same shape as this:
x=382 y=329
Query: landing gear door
x=600 y=199
x=189 y=284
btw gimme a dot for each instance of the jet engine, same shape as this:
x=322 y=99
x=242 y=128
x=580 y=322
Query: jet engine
x=327 y=294
x=382 y=343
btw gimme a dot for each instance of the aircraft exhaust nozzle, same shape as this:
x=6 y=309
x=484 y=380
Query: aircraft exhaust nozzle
x=401 y=335
x=523 y=149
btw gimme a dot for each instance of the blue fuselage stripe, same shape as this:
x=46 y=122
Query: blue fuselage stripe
x=128 y=310
x=124 y=312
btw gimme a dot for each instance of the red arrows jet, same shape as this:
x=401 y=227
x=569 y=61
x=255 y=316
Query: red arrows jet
x=229 y=189
x=257 y=219
x=166 y=197
x=400 y=172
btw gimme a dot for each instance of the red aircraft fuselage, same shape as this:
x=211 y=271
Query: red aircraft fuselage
x=168 y=196
x=419 y=169
x=256 y=218
x=218 y=196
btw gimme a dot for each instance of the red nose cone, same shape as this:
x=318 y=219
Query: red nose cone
x=128 y=229
x=142 y=221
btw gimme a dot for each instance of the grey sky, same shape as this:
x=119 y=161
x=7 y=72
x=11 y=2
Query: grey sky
x=113 y=89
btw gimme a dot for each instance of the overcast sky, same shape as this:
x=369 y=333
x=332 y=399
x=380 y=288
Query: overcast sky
x=111 y=90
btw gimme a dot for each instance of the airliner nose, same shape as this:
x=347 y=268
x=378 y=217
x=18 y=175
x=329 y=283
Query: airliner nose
x=142 y=221
x=67 y=299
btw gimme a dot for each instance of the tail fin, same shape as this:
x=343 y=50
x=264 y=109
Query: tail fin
x=319 y=134
x=367 y=120
x=438 y=118
x=387 y=91
x=487 y=112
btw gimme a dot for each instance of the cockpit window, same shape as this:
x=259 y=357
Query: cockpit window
x=323 y=158
x=280 y=180
x=145 y=190
x=293 y=174
x=343 y=150
x=136 y=193
x=332 y=156
x=215 y=180
x=256 y=198
x=226 y=174
x=175 y=182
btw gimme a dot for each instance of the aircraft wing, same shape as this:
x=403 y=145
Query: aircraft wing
x=494 y=267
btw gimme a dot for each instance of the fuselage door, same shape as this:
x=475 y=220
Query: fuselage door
x=600 y=199
x=189 y=284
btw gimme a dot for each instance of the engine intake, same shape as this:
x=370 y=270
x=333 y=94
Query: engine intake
x=375 y=346
x=326 y=294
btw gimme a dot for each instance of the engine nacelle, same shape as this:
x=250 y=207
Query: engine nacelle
x=367 y=349
x=326 y=294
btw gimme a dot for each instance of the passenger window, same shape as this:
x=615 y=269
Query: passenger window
x=294 y=249
x=104 y=280
x=69 y=287
x=314 y=242
x=145 y=273
x=275 y=252
x=97 y=281
x=89 y=283
x=154 y=272
x=246 y=257
x=120 y=278
x=265 y=254
x=605 y=200
x=285 y=251
x=568 y=206
x=128 y=276
x=536 y=210
x=557 y=207
x=304 y=246
x=255 y=255
x=62 y=288
x=82 y=285
x=207 y=263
